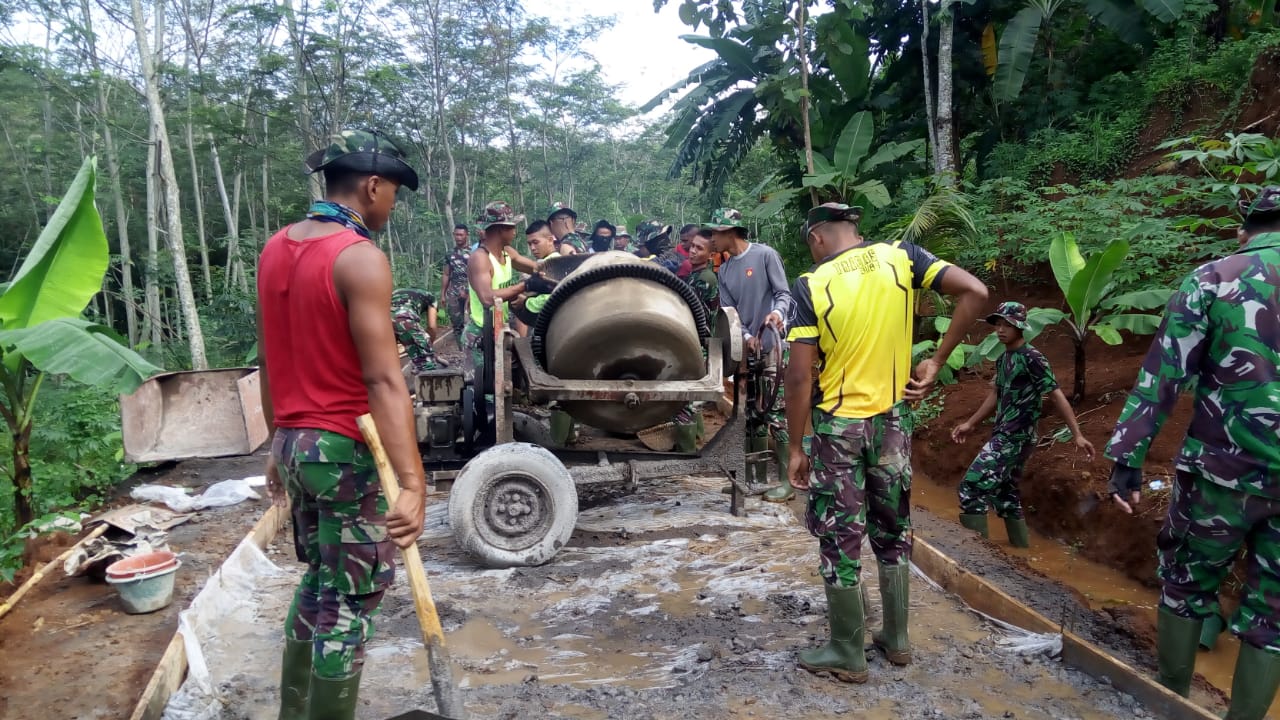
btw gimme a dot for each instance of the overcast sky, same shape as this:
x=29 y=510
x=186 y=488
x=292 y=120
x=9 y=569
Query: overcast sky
x=643 y=53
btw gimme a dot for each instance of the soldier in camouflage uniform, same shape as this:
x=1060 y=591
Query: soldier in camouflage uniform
x=453 y=273
x=1221 y=330
x=329 y=356
x=656 y=238
x=408 y=305
x=563 y=221
x=622 y=242
x=688 y=422
x=1023 y=378
x=851 y=319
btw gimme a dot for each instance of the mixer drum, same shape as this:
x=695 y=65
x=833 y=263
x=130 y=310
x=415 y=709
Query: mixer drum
x=623 y=329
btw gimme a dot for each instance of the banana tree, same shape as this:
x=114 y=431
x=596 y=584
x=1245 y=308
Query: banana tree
x=845 y=171
x=42 y=331
x=1094 y=308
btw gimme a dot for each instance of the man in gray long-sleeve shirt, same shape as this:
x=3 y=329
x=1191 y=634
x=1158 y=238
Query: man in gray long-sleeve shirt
x=753 y=282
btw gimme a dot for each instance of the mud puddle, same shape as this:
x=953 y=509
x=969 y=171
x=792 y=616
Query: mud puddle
x=1097 y=586
x=702 y=625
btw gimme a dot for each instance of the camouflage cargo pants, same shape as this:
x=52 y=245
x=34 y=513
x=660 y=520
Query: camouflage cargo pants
x=1202 y=535
x=458 y=316
x=992 y=478
x=340 y=532
x=416 y=342
x=860 y=475
x=472 y=350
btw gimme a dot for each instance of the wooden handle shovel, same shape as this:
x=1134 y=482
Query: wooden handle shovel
x=446 y=693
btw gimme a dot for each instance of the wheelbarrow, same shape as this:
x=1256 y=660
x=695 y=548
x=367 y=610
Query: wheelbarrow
x=193 y=414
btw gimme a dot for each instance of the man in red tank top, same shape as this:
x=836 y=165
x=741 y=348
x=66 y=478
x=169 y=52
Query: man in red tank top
x=329 y=355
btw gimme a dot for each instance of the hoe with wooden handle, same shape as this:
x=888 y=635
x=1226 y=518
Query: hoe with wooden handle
x=446 y=693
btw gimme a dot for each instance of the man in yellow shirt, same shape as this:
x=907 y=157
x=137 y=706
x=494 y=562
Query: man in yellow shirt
x=851 y=319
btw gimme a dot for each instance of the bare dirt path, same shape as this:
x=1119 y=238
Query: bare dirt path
x=68 y=650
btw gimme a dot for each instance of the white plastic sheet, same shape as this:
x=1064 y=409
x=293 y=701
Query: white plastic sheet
x=227 y=492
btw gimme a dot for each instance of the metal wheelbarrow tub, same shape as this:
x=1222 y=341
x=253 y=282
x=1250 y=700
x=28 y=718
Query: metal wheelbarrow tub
x=193 y=414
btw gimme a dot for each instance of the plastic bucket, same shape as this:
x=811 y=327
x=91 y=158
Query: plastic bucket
x=145 y=564
x=146 y=592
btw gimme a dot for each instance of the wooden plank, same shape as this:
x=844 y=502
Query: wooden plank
x=172 y=669
x=1076 y=651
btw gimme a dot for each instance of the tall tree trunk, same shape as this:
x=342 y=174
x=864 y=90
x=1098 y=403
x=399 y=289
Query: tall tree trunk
x=309 y=141
x=266 y=183
x=802 y=48
x=945 y=157
x=233 y=231
x=113 y=173
x=151 y=324
x=930 y=119
x=195 y=194
x=173 y=210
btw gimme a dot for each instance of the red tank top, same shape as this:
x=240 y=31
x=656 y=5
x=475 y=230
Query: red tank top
x=312 y=365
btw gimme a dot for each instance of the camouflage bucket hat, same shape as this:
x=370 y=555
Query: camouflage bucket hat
x=364 y=151
x=650 y=229
x=1266 y=203
x=829 y=212
x=1014 y=313
x=561 y=209
x=498 y=213
x=726 y=219
x=622 y=232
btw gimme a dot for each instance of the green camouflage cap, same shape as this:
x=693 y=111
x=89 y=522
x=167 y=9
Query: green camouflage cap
x=561 y=209
x=829 y=212
x=1014 y=313
x=365 y=151
x=498 y=213
x=1266 y=203
x=725 y=219
x=650 y=229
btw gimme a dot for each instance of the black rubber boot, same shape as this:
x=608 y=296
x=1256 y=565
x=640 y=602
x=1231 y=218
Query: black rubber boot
x=843 y=656
x=783 y=492
x=295 y=679
x=333 y=699
x=1254 y=687
x=895 y=599
x=1019 y=535
x=1176 y=641
x=977 y=523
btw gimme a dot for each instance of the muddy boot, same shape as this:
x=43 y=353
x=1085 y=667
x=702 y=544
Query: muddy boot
x=783 y=492
x=295 y=679
x=1019 y=535
x=977 y=523
x=1255 y=683
x=1176 y=642
x=333 y=699
x=843 y=655
x=561 y=427
x=895 y=596
x=686 y=437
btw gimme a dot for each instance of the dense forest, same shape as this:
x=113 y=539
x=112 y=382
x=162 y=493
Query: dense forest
x=990 y=130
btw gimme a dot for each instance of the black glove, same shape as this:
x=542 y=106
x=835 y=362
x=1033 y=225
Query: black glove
x=1125 y=481
x=538 y=284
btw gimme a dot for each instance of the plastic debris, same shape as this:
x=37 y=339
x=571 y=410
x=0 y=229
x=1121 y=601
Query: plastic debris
x=223 y=494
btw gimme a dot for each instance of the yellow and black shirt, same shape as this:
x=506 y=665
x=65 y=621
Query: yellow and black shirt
x=858 y=307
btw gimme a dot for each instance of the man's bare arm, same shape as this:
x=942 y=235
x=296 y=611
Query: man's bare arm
x=362 y=277
x=798 y=392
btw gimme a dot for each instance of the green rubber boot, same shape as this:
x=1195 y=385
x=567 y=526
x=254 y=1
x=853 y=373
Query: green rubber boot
x=783 y=492
x=977 y=523
x=1255 y=683
x=700 y=424
x=1212 y=628
x=1019 y=535
x=561 y=427
x=1176 y=641
x=333 y=699
x=757 y=471
x=895 y=597
x=686 y=437
x=843 y=655
x=295 y=679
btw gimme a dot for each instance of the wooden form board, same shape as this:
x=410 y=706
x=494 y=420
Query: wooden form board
x=172 y=669
x=1076 y=651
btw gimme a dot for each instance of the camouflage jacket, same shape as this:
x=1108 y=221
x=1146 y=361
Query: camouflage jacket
x=670 y=260
x=454 y=266
x=1221 y=329
x=575 y=241
x=1023 y=378
x=410 y=302
x=707 y=286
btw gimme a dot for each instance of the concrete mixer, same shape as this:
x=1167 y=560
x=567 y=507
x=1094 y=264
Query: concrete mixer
x=621 y=345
